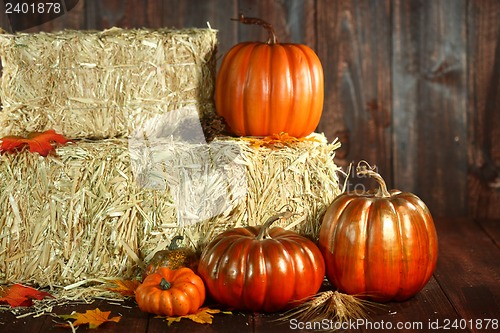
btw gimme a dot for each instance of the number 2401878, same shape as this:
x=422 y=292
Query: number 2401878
x=33 y=8
x=475 y=324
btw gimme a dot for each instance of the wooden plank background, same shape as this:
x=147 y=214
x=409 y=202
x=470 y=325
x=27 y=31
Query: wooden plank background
x=411 y=86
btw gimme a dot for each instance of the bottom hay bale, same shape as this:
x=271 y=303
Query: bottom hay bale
x=100 y=209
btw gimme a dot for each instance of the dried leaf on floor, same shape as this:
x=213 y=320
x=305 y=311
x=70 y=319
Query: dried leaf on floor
x=94 y=318
x=19 y=295
x=202 y=316
x=125 y=287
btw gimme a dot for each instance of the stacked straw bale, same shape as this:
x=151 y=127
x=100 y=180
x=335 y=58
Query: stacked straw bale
x=92 y=210
x=101 y=206
x=87 y=84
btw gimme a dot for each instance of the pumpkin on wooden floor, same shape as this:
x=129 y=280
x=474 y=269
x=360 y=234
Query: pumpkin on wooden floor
x=379 y=244
x=261 y=269
x=174 y=257
x=170 y=292
x=264 y=88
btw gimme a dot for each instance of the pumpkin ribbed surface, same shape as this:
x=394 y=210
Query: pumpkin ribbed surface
x=171 y=292
x=382 y=247
x=264 y=89
x=264 y=275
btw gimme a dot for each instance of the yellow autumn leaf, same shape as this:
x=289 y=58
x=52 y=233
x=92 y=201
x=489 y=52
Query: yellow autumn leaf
x=125 y=287
x=202 y=316
x=94 y=318
x=277 y=140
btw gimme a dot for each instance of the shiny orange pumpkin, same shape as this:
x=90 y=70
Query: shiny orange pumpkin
x=171 y=292
x=382 y=244
x=261 y=269
x=269 y=88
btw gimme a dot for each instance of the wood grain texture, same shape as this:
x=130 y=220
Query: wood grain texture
x=10 y=324
x=483 y=108
x=474 y=295
x=201 y=14
x=131 y=318
x=223 y=323
x=293 y=20
x=4 y=19
x=415 y=311
x=123 y=13
x=464 y=287
x=354 y=40
x=73 y=18
x=492 y=229
x=429 y=102
x=412 y=86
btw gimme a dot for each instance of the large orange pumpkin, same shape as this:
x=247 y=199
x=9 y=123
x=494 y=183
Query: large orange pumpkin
x=380 y=244
x=268 y=88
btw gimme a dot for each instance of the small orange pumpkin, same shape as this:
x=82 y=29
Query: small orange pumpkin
x=265 y=88
x=171 y=292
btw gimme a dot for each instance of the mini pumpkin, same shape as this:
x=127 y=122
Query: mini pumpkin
x=174 y=257
x=261 y=269
x=170 y=292
x=379 y=244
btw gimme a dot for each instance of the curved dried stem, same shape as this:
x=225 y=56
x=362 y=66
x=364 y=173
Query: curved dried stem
x=264 y=231
x=365 y=169
x=272 y=39
x=174 y=243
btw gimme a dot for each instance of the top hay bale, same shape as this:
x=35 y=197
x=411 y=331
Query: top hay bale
x=88 y=84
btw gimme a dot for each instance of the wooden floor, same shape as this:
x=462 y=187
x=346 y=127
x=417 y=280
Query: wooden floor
x=463 y=296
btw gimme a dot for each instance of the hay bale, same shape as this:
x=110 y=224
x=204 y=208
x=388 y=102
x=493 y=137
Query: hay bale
x=99 y=209
x=102 y=84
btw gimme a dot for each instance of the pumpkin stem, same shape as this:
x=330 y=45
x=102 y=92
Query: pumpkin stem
x=264 y=231
x=174 y=243
x=254 y=20
x=164 y=284
x=364 y=168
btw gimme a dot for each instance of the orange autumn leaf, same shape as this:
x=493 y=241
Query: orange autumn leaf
x=19 y=295
x=276 y=140
x=202 y=316
x=125 y=287
x=37 y=142
x=94 y=318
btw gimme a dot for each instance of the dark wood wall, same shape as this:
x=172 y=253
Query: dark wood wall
x=412 y=86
